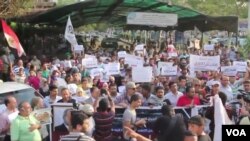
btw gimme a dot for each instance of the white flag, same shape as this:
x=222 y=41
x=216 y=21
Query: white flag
x=69 y=33
x=220 y=118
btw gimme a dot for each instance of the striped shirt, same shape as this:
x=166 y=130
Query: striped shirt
x=103 y=125
x=76 y=136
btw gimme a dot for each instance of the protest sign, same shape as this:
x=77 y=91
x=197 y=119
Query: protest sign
x=89 y=62
x=58 y=110
x=67 y=64
x=163 y=64
x=122 y=54
x=229 y=70
x=112 y=68
x=104 y=76
x=140 y=47
x=96 y=72
x=241 y=66
x=43 y=115
x=169 y=71
x=78 y=47
x=89 y=56
x=142 y=74
x=209 y=47
x=204 y=63
x=134 y=61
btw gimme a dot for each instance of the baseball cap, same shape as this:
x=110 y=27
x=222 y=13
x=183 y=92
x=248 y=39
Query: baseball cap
x=130 y=85
x=87 y=109
x=215 y=83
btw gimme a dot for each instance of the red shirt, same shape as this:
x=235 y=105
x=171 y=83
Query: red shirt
x=185 y=100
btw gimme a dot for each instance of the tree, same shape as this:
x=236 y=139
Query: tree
x=12 y=8
x=217 y=7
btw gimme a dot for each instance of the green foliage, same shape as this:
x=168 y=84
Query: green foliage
x=66 y=2
x=245 y=50
x=216 y=7
x=91 y=27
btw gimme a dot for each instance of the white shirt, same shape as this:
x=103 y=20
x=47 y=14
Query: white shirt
x=48 y=101
x=228 y=91
x=172 y=97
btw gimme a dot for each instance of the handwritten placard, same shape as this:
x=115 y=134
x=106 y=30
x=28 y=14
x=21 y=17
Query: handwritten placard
x=209 y=47
x=134 y=61
x=96 y=72
x=241 y=66
x=169 y=71
x=122 y=54
x=142 y=74
x=204 y=63
x=89 y=56
x=78 y=47
x=229 y=70
x=112 y=68
x=67 y=64
x=160 y=65
x=89 y=62
x=139 y=47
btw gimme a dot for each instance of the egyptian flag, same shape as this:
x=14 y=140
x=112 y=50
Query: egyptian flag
x=12 y=39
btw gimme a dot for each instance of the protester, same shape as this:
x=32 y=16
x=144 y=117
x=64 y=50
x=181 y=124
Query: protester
x=64 y=128
x=66 y=96
x=80 y=124
x=89 y=111
x=104 y=116
x=53 y=96
x=95 y=94
x=174 y=94
x=36 y=104
x=124 y=99
x=129 y=116
x=7 y=116
x=190 y=99
x=25 y=127
x=196 y=125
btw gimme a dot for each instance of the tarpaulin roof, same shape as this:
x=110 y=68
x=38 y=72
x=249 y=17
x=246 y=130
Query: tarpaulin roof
x=116 y=11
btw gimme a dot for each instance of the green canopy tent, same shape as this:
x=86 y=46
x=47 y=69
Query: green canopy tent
x=115 y=12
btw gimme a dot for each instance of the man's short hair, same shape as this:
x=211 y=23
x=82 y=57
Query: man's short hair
x=77 y=117
x=93 y=88
x=197 y=120
x=7 y=101
x=182 y=78
x=52 y=87
x=171 y=83
x=158 y=88
x=246 y=82
x=146 y=86
x=134 y=97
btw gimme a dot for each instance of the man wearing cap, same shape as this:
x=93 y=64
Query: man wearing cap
x=215 y=87
x=124 y=99
x=89 y=111
x=196 y=125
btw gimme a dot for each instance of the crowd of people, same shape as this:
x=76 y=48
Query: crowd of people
x=97 y=98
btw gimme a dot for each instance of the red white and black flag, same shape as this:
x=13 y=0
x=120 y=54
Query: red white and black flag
x=12 y=39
